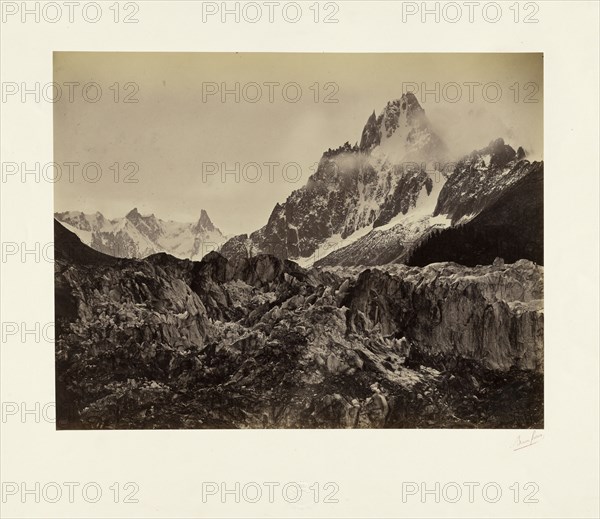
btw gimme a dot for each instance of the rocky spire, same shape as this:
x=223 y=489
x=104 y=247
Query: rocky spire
x=204 y=223
x=133 y=215
x=371 y=135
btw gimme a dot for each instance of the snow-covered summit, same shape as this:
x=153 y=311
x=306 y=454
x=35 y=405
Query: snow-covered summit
x=137 y=236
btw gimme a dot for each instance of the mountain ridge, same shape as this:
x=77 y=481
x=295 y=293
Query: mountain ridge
x=137 y=236
x=369 y=205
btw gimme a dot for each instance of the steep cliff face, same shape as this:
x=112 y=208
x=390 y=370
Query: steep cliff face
x=374 y=203
x=492 y=315
x=511 y=227
x=262 y=342
x=495 y=185
x=348 y=192
x=480 y=178
x=354 y=188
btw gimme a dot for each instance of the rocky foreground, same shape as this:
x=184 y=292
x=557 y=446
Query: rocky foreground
x=261 y=342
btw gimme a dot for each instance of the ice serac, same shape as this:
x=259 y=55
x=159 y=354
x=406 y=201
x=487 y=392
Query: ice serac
x=101 y=291
x=355 y=188
x=487 y=181
x=492 y=315
x=261 y=342
x=138 y=236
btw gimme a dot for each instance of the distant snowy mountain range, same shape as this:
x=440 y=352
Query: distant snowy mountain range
x=137 y=236
x=369 y=204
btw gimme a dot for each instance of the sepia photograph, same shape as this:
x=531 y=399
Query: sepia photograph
x=301 y=259
x=307 y=241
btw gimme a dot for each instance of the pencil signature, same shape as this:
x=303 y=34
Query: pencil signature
x=523 y=441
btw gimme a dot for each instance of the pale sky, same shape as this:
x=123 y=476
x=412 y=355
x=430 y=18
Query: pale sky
x=172 y=131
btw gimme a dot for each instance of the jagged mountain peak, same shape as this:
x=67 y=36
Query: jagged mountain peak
x=204 y=223
x=407 y=103
x=134 y=214
x=354 y=187
x=497 y=154
x=480 y=178
x=402 y=132
x=375 y=200
x=405 y=110
x=149 y=226
x=81 y=220
x=371 y=135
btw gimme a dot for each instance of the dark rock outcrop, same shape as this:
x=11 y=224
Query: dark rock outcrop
x=511 y=228
x=479 y=179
